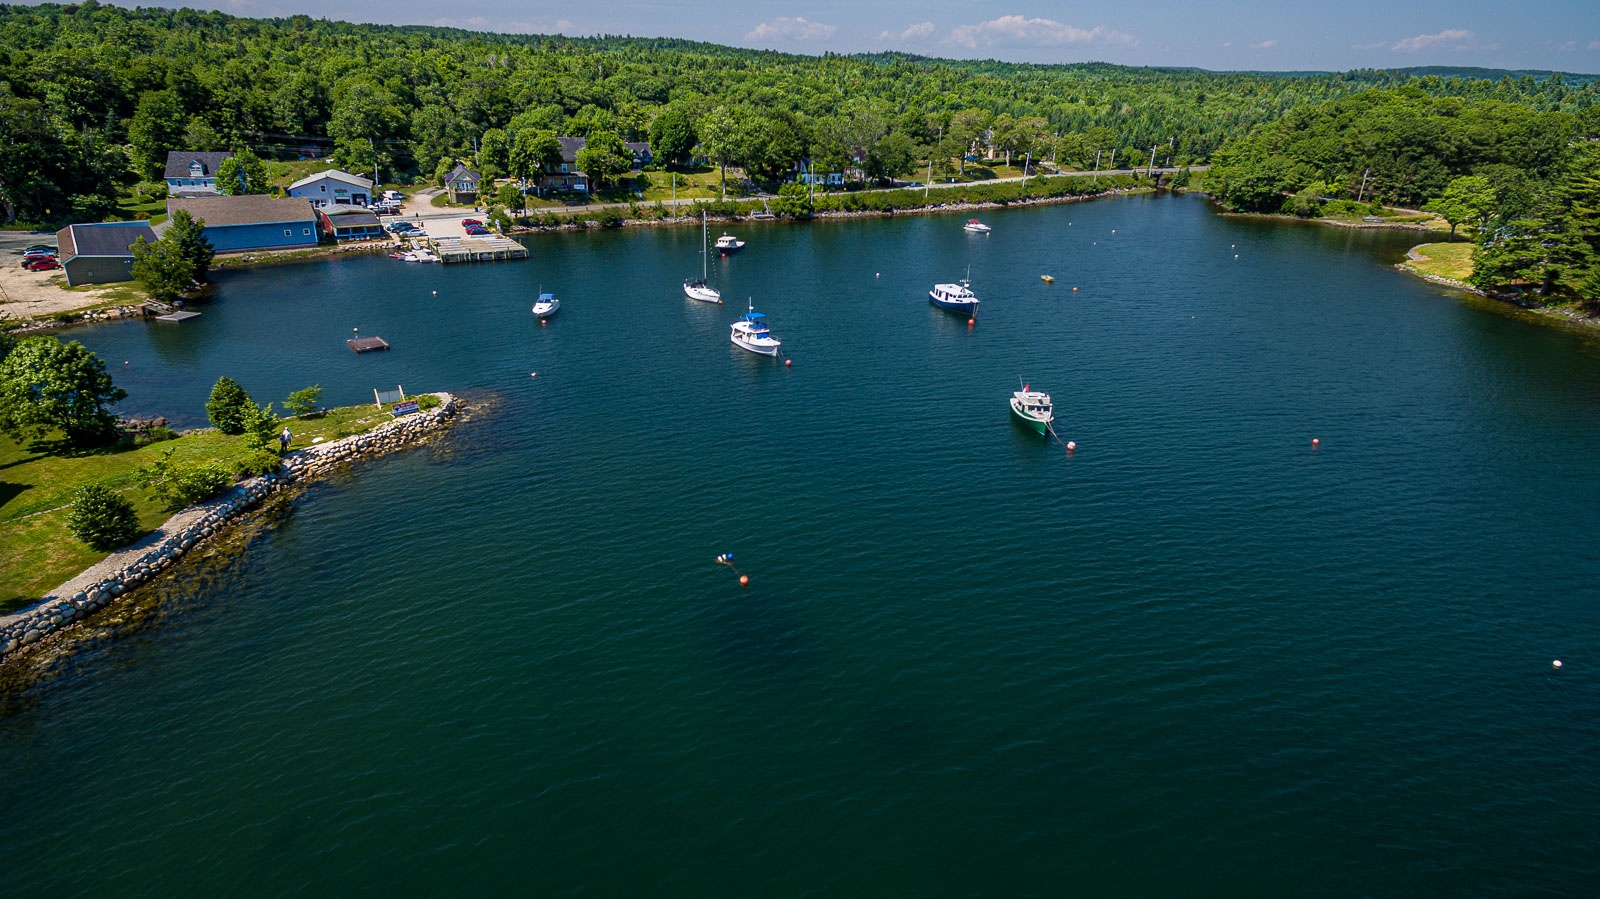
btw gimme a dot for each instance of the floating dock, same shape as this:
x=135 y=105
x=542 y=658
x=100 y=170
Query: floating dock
x=478 y=249
x=181 y=315
x=166 y=312
x=367 y=344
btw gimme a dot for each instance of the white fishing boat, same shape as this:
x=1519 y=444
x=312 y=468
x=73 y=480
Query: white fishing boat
x=547 y=306
x=975 y=226
x=750 y=332
x=699 y=289
x=1033 y=409
x=955 y=297
x=727 y=243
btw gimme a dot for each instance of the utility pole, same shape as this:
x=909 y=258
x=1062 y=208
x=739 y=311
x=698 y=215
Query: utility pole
x=1363 y=191
x=1095 y=180
x=1025 y=164
x=1113 y=165
x=1151 y=168
x=375 y=182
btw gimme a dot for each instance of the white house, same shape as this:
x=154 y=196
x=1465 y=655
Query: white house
x=191 y=173
x=333 y=188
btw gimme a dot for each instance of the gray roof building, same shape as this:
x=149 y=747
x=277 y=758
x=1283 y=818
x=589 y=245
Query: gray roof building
x=100 y=253
x=181 y=163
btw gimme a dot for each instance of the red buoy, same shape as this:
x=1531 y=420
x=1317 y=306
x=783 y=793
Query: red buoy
x=744 y=580
x=971 y=322
x=788 y=363
x=544 y=321
x=1072 y=445
x=1315 y=441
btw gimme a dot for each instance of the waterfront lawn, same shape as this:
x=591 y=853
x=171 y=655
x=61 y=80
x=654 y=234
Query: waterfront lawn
x=39 y=477
x=1443 y=260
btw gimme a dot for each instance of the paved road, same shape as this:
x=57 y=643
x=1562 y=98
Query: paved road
x=419 y=207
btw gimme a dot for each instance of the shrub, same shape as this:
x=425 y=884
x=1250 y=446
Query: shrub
x=154 y=435
x=260 y=461
x=304 y=401
x=610 y=217
x=182 y=485
x=101 y=519
x=227 y=405
x=427 y=401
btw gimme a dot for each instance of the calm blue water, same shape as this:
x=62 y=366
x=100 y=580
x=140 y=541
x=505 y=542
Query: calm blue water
x=1198 y=656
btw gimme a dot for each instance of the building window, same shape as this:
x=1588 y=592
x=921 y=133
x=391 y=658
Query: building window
x=305 y=230
x=323 y=188
x=287 y=233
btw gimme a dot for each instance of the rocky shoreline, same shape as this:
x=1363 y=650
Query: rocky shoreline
x=125 y=570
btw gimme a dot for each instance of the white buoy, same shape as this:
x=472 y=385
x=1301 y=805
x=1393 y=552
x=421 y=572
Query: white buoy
x=436 y=293
x=1236 y=255
x=1556 y=664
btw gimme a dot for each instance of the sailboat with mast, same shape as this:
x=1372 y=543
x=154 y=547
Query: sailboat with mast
x=698 y=289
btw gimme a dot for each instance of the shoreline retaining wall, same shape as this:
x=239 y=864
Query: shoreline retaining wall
x=127 y=569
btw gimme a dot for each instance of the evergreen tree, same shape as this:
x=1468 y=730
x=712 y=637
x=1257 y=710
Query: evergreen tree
x=243 y=173
x=101 y=519
x=187 y=234
x=229 y=406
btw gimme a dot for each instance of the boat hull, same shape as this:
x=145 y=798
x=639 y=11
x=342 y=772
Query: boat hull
x=1037 y=425
x=758 y=349
x=968 y=309
x=548 y=312
x=701 y=294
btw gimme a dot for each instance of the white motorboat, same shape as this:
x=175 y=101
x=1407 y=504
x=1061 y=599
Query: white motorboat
x=727 y=243
x=699 y=289
x=1033 y=409
x=547 y=306
x=955 y=297
x=975 y=226
x=423 y=254
x=750 y=332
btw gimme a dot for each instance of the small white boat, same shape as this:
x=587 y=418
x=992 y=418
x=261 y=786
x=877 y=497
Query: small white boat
x=698 y=288
x=547 y=306
x=975 y=226
x=955 y=297
x=1033 y=409
x=423 y=255
x=750 y=332
x=727 y=243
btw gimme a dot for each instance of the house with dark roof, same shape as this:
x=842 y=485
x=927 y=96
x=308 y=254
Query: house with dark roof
x=252 y=222
x=100 y=253
x=333 y=188
x=565 y=174
x=193 y=173
x=349 y=223
x=641 y=153
x=462 y=185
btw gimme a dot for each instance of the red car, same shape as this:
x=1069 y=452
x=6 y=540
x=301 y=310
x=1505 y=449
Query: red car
x=477 y=230
x=468 y=223
x=41 y=264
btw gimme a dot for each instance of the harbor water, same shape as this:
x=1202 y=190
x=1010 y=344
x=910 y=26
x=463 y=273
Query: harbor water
x=1198 y=655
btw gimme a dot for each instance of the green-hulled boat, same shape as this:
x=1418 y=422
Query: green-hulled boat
x=1033 y=409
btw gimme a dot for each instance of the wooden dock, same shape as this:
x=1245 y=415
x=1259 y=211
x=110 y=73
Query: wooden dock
x=478 y=249
x=367 y=344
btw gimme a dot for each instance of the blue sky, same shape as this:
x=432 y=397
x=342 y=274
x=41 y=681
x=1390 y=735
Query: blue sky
x=1232 y=34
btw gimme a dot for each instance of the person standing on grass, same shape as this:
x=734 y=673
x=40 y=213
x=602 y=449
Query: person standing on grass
x=283 y=440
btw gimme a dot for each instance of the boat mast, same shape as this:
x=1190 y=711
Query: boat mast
x=705 y=271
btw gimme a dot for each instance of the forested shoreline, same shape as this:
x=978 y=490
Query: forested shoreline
x=92 y=97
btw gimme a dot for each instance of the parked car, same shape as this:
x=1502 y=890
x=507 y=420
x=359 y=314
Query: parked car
x=478 y=230
x=468 y=223
x=393 y=196
x=40 y=248
x=42 y=264
x=399 y=227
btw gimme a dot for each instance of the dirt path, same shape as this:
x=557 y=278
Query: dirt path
x=25 y=294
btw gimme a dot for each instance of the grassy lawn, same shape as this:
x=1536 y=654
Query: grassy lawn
x=1444 y=260
x=37 y=553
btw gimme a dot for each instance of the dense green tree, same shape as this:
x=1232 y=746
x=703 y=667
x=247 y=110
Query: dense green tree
x=794 y=200
x=243 y=173
x=672 y=135
x=199 y=135
x=494 y=150
x=892 y=156
x=47 y=385
x=157 y=127
x=604 y=157
x=161 y=269
x=534 y=152
x=511 y=197
x=1468 y=199
x=719 y=132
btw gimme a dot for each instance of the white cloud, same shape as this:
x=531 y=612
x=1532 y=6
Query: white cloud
x=1450 y=38
x=784 y=28
x=918 y=32
x=1566 y=46
x=1265 y=44
x=1594 y=45
x=1016 y=31
x=1227 y=43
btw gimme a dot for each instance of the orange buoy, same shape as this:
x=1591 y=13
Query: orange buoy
x=788 y=363
x=1074 y=290
x=1315 y=441
x=744 y=580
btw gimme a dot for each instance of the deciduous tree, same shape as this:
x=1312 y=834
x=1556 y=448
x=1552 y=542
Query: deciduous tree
x=48 y=385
